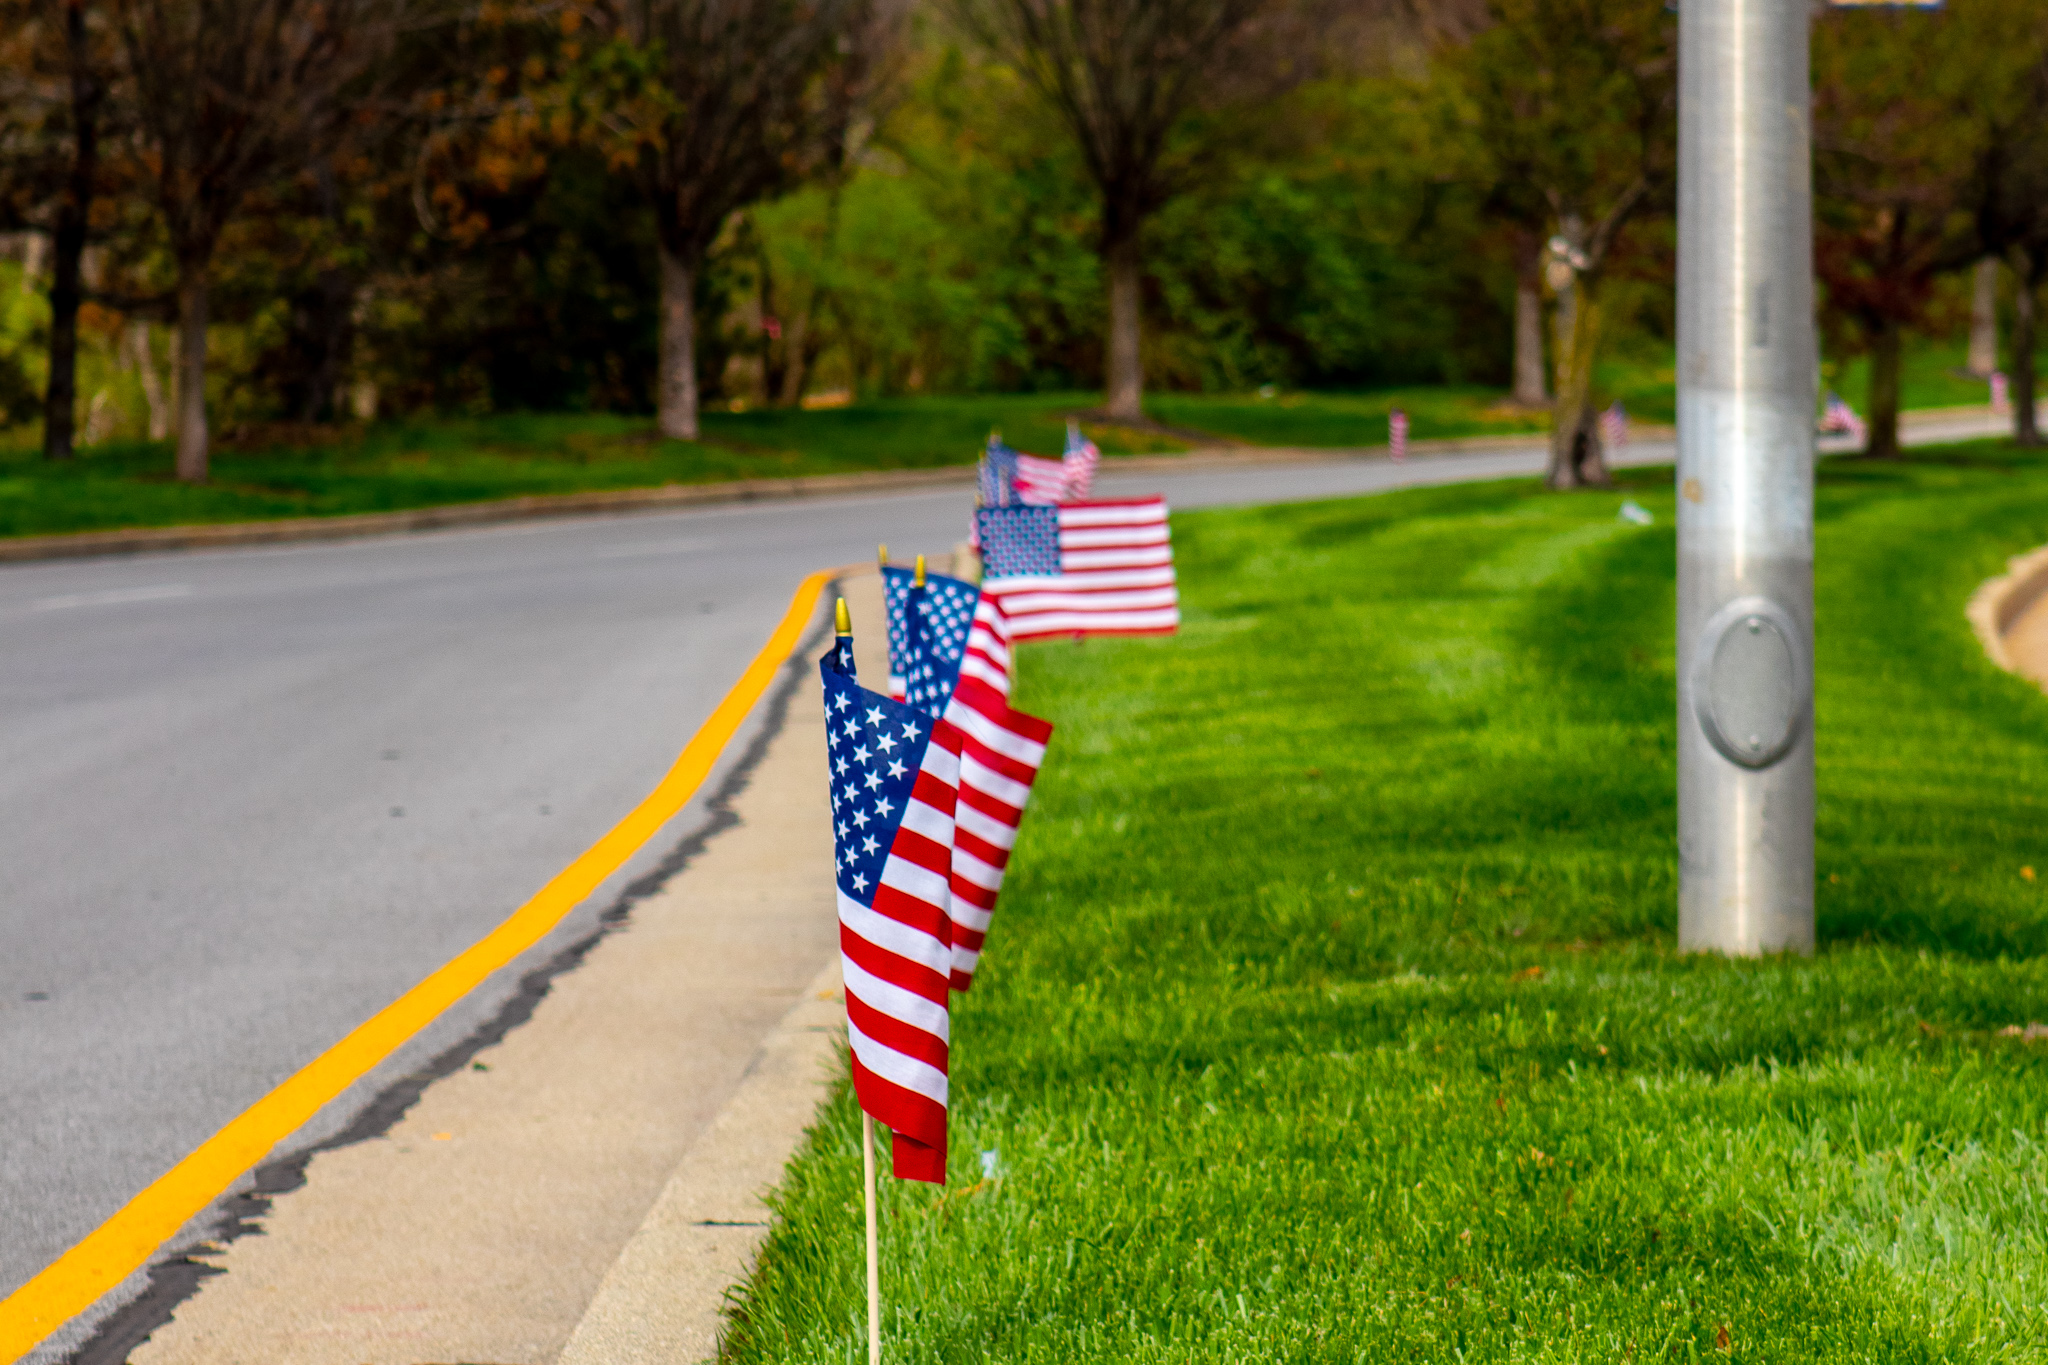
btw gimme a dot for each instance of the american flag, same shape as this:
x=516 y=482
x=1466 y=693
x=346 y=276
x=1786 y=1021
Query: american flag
x=998 y=474
x=1397 y=435
x=1614 y=426
x=895 y=774
x=958 y=665
x=1082 y=568
x=2001 y=392
x=1043 y=482
x=945 y=610
x=1839 y=416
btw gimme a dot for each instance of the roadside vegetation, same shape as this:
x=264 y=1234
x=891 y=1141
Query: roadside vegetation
x=1332 y=1012
x=269 y=470
x=345 y=211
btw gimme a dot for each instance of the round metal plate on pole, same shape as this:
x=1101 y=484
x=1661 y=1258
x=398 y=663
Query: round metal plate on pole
x=1747 y=381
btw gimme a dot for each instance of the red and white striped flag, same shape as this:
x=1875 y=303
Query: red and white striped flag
x=951 y=646
x=1614 y=426
x=1082 y=568
x=1002 y=751
x=895 y=775
x=1837 y=415
x=1397 y=435
x=1068 y=479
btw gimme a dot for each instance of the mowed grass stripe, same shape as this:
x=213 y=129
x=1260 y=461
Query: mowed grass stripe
x=1331 y=1013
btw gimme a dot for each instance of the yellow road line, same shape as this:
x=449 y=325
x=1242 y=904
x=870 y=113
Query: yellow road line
x=74 y=1281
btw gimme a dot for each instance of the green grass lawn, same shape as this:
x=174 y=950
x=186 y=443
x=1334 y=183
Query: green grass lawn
x=1332 y=1012
x=1347 y=419
x=422 y=463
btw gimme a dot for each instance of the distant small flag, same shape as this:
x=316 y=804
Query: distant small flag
x=1043 y=482
x=1614 y=426
x=1397 y=434
x=2001 y=393
x=1083 y=568
x=944 y=613
x=1839 y=416
x=1081 y=457
x=998 y=474
x=894 y=775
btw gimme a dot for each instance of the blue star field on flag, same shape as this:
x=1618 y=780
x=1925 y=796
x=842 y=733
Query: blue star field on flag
x=998 y=474
x=873 y=747
x=928 y=630
x=1019 y=541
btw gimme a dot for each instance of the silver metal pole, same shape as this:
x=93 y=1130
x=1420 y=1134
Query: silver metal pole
x=1747 y=371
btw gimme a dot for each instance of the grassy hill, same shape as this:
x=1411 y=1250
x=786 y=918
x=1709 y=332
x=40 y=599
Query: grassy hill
x=1332 y=1012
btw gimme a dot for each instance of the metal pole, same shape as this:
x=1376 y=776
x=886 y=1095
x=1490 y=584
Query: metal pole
x=1747 y=371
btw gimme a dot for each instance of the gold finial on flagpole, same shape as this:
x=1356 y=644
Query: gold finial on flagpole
x=918 y=581
x=882 y=555
x=842 y=620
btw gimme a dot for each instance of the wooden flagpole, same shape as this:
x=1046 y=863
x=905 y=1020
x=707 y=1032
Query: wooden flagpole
x=867 y=1145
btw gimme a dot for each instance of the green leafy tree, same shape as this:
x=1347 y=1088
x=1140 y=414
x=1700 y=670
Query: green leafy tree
x=1138 y=84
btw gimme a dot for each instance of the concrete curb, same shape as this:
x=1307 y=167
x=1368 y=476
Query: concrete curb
x=1999 y=603
x=660 y=1302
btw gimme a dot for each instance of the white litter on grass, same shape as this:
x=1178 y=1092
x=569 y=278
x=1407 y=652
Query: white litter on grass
x=988 y=1165
x=1637 y=513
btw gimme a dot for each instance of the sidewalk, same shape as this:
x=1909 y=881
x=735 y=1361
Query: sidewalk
x=673 y=1071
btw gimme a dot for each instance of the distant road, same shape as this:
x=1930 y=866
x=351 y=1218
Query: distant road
x=249 y=797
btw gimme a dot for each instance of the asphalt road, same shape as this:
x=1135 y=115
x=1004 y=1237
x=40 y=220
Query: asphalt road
x=247 y=798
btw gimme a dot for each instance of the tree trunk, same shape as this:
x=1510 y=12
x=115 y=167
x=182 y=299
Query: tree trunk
x=677 y=416
x=795 y=337
x=192 y=450
x=74 y=218
x=2026 y=429
x=137 y=341
x=1125 y=380
x=60 y=396
x=1984 y=319
x=1884 y=393
x=1530 y=390
x=1576 y=457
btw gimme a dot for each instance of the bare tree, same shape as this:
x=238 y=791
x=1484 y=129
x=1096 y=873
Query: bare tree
x=1125 y=76
x=1573 y=103
x=230 y=95
x=718 y=104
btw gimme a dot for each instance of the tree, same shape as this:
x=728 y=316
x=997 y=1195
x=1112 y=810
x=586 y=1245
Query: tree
x=1571 y=104
x=1905 y=111
x=1127 y=77
x=57 y=66
x=230 y=95
x=714 y=105
x=2011 y=198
